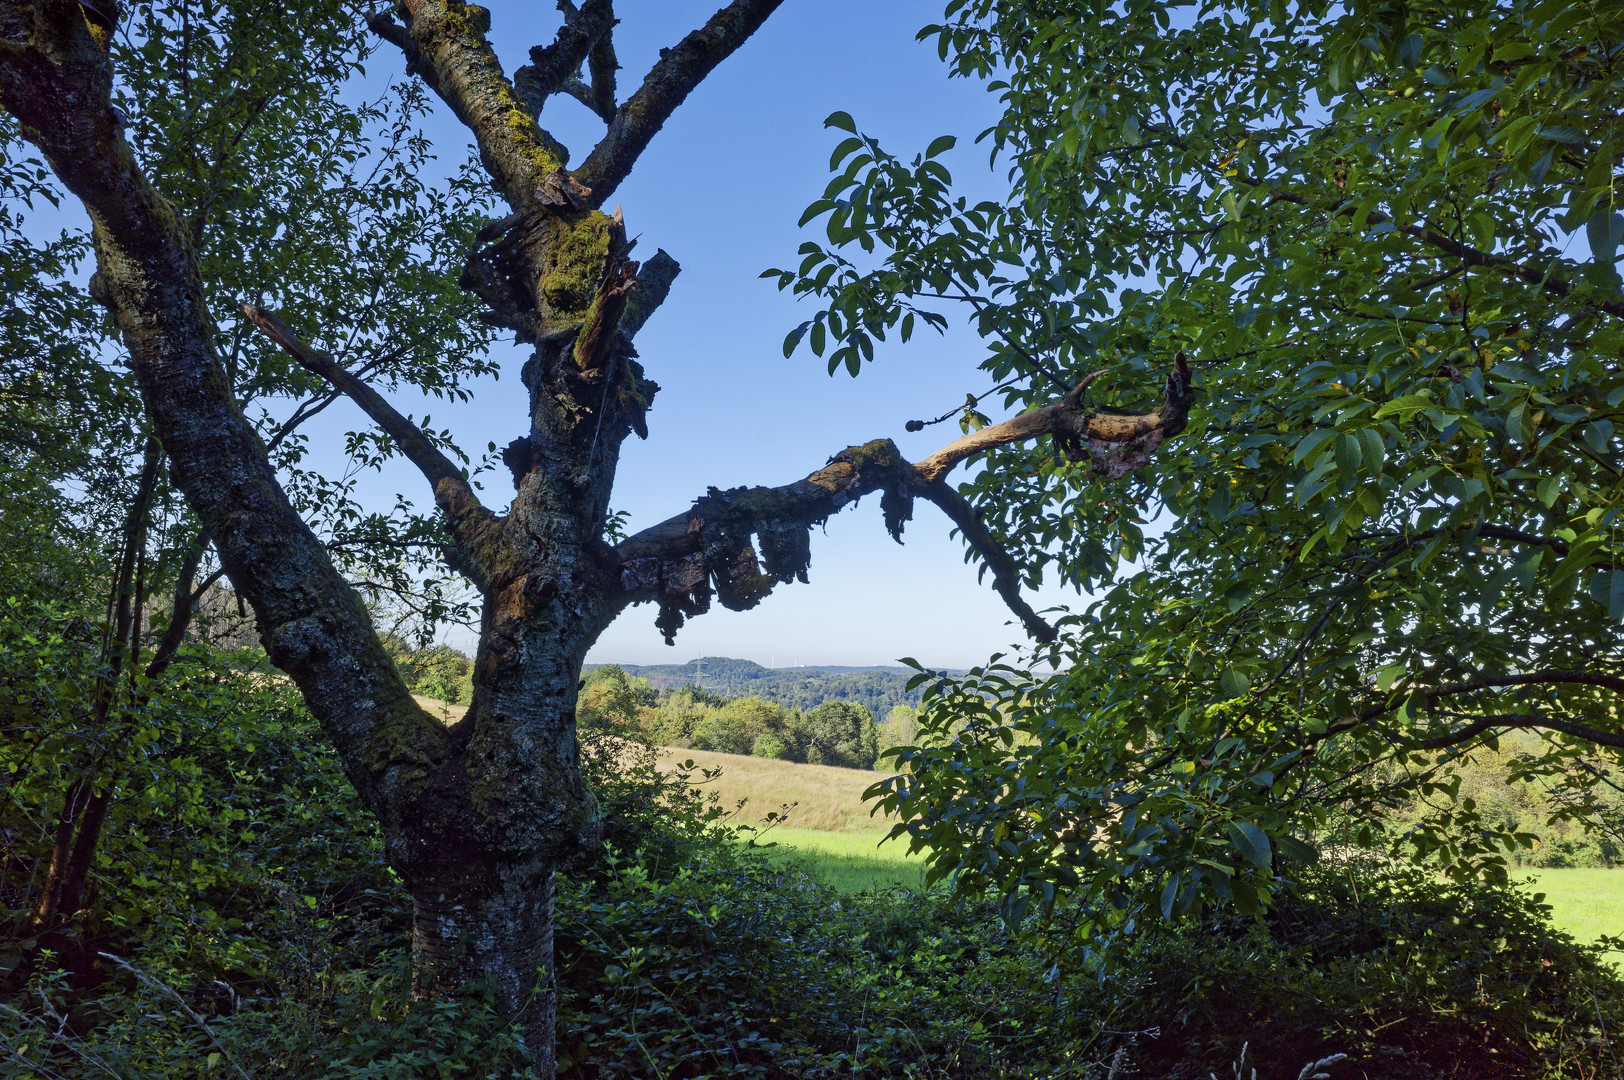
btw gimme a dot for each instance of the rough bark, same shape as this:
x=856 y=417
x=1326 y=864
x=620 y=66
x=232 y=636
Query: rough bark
x=477 y=815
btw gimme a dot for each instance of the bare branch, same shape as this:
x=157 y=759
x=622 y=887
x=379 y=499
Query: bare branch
x=185 y=602
x=475 y=528
x=1487 y=682
x=1117 y=444
x=451 y=490
x=602 y=65
x=1480 y=724
x=553 y=67
x=1006 y=576
x=666 y=86
x=653 y=286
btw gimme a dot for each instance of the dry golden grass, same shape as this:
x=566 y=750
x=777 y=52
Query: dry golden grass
x=444 y=710
x=827 y=799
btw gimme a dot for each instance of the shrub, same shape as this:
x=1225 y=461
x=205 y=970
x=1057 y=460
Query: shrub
x=1411 y=976
x=770 y=744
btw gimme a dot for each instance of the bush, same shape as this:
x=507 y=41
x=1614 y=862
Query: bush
x=740 y=967
x=1410 y=976
x=770 y=744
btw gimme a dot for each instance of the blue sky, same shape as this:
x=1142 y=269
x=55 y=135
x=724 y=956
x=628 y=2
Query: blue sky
x=721 y=189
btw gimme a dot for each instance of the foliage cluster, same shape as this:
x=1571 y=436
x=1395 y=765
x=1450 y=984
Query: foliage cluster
x=1386 y=237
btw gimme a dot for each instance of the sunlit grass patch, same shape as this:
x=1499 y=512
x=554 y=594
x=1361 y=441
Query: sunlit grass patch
x=1587 y=903
x=823 y=797
x=850 y=861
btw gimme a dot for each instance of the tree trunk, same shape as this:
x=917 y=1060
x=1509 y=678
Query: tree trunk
x=491 y=925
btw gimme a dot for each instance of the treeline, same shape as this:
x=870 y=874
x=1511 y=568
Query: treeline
x=824 y=728
x=842 y=733
x=878 y=689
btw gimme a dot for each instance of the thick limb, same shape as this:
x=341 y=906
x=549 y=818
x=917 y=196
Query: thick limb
x=713 y=545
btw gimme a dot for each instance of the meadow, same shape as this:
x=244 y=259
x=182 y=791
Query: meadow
x=828 y=828
x=811 y=797
x=1587 y=903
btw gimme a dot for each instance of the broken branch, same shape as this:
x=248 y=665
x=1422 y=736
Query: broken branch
x=677 y=562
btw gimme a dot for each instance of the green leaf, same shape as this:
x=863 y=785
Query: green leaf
x=1605 y=230
x=940 y=145
x=1348 y=457
x=1170 y=893
x=1607 y=589
x=1296 y=850
x=846 y=148
x=1405 y=407
x=1375 y=452
x=1561 y=133
x=1251 y=841
x=794 y=338
x=841 y=120
x=1311 y=443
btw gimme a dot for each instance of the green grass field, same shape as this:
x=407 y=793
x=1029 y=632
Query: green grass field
x=1586 y=903
x=830 y=829
x=850 y=861
x=820 y=797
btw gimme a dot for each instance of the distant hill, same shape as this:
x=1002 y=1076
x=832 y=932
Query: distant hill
x=878 y=687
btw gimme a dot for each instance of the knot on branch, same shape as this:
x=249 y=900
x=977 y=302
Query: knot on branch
x=1118 y=445
x=559 y=188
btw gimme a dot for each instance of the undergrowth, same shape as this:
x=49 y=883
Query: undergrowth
x=244 y=924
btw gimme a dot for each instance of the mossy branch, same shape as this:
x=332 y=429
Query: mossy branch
x=445 y=44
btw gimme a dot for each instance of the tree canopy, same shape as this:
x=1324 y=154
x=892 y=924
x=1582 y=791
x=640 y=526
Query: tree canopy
x=1385 y=237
